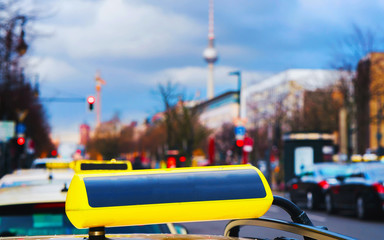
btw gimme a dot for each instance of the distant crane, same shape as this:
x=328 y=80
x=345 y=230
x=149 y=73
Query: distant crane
x=99 y=82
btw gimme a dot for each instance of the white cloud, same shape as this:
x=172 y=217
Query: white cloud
x=236 y=51
x=51 y=69
x=197 y=76
x=123 y=29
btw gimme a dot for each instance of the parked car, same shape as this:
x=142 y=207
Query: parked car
x=361 y=191
x=309 y=187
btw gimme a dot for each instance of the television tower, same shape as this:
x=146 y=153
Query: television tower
x=210 y=53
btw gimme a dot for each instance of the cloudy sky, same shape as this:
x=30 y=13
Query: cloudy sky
x=138 y=44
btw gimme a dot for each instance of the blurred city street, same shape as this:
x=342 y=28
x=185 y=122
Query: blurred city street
x=292 y=88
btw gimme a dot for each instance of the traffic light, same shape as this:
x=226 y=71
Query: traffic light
x=20 y=146
x=54 y=153
x=175 y=159
x=238 y=147
x=171 y=162
x=181 y=161
x=240 y=143
x=182 y=158
x=91 y=100
x=21 y=141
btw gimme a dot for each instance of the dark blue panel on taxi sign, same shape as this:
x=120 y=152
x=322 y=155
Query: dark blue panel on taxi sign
x=178 y=187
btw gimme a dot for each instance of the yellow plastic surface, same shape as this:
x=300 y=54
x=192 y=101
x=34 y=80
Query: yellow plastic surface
x=82 y=215
x=76 y=166
x=57 y=165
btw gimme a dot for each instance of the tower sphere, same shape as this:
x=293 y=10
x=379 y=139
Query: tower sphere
x=210 y=55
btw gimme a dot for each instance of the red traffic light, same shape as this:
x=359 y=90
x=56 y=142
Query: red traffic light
x=171 y=162
x=91 y=99
x=54 y=153
x=20 y=141
x=240 y=143
x=182 y=159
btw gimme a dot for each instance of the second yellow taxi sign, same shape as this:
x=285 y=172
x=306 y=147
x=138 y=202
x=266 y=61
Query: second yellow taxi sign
x=89 y=166
x=167 y=195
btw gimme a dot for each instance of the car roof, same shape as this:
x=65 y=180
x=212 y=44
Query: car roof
x=369 y=165
x=44 y=160
x=41 y=162
x=36 y=194
x=36 y=176
x=318 y=166
x=330 y=164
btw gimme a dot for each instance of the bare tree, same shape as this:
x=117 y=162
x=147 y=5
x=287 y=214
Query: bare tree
x=225 y=140
x=348 y=51
x=321 y=110
x=16 y=93
x=183 y=129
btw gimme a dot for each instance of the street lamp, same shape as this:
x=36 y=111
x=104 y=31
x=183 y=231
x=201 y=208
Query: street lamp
x=238 y=74
x=239 y=137
x=21 y=46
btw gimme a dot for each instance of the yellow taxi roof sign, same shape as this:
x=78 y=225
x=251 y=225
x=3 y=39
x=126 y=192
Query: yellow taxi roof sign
x=369 y=157
x=100 y=166
x=167 y=195
x=356 y=158
x=57 y=165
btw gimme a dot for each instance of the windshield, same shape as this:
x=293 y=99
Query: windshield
x=333 y=171
x=376 y=174
x=58 y=224
x=47 y=219
x=37 y=224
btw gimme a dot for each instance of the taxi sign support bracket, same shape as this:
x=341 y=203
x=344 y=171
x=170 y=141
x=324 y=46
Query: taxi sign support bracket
x=301 y=225
x=96 y=233
x=309 y=232
x=297 y=215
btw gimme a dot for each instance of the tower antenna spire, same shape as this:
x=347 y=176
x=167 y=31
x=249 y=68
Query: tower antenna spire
x=211 y=23
x=210 y=53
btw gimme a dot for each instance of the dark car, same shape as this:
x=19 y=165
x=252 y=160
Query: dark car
x=309 y=187
x=361 y=191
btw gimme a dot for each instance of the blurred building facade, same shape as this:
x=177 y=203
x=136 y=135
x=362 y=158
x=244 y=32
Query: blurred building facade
x=221 y=109
x=85 y=131
x=284 y=93
x=369 y=98
x=108 y=129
